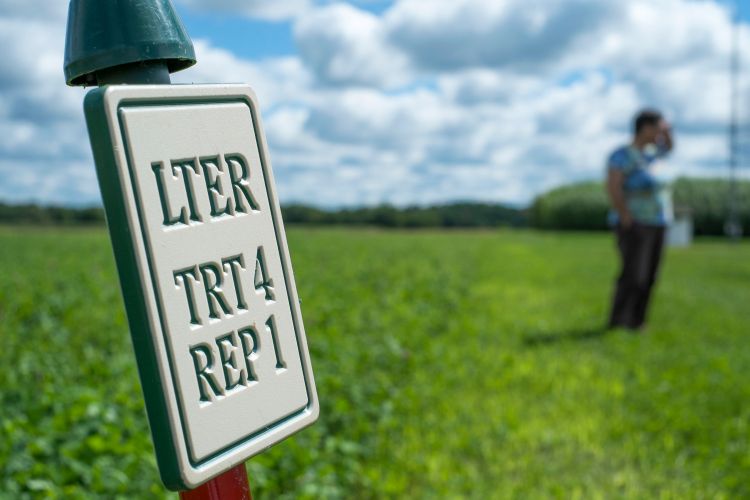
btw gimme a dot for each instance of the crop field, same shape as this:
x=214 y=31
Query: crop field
x=448 y=364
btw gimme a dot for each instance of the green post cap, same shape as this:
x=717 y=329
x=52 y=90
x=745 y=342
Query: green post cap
x=107 y=34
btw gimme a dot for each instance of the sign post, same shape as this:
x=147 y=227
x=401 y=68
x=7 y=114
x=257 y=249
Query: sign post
x=200 y=247
x=232 y=485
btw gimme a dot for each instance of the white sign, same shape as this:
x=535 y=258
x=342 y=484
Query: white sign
x=204 y=267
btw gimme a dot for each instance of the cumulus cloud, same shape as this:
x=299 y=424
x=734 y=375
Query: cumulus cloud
x=541 y=90
x=524 y=34
x=252 y=8
x=423 y=102
x=31 y=9
x=44 y=152
x=276 y=81
x=344 y=45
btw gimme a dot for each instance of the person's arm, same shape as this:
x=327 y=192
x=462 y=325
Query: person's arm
x=615 y=183
x=666 y=142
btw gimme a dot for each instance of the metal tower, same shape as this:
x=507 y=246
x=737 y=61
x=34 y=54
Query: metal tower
x=733 y=225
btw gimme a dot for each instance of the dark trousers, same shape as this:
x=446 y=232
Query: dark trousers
x=640 y=249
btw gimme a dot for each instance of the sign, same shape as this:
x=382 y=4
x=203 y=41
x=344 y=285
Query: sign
x=205 y=272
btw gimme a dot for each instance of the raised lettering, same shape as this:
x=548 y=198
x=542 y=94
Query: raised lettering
x=188 y=167
x=235 y=264
x=232 y=375
x=263 y=283
x=203 y=362
x=213 y=186
x=182 y=276
x=250 y=345
x=271 y=328
x=169 y=219
x=213 y=278
x=240 y=183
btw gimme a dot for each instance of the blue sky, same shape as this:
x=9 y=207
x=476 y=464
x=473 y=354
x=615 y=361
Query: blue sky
x=268 y=38
x=405 y=101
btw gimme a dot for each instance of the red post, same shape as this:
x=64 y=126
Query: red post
x=232 y=485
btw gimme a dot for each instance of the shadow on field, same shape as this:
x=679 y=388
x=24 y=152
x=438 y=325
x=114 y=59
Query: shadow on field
x=578 y=334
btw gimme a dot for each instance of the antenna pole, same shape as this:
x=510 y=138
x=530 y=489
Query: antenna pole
x=733 y=227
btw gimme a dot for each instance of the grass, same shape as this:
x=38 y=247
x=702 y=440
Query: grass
x=449 y=365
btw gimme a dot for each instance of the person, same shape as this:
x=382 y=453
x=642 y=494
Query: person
x=641 y=210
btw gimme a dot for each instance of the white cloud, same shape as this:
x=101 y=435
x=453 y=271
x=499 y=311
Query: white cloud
x=275 y=81
x=347 y=46
x=31 y=9
x=540 y=89
x=485 y=85
x=58 y=181
x=44 y=151
x=274 y=10
x=524 y=34
x=427 y=102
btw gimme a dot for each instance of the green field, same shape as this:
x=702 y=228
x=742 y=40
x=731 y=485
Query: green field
x=448 y=364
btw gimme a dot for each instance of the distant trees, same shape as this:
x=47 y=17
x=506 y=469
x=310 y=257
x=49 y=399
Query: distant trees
x=50 y=215
x=452 y=215
x=581 y=207
x=584 y=206
x=708 y=201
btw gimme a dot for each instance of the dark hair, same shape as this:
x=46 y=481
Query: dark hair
x=646 y=117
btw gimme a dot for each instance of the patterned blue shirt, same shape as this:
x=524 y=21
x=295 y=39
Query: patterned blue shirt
x=647 y=196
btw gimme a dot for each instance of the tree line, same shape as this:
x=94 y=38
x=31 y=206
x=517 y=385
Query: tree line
x=581 y=206
x=451 y=215
x=584 y=206
x=50 y=215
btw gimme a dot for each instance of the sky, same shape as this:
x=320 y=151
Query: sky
x=405 y=101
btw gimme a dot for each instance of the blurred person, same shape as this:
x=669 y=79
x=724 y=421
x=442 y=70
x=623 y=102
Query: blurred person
x=641 y=211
